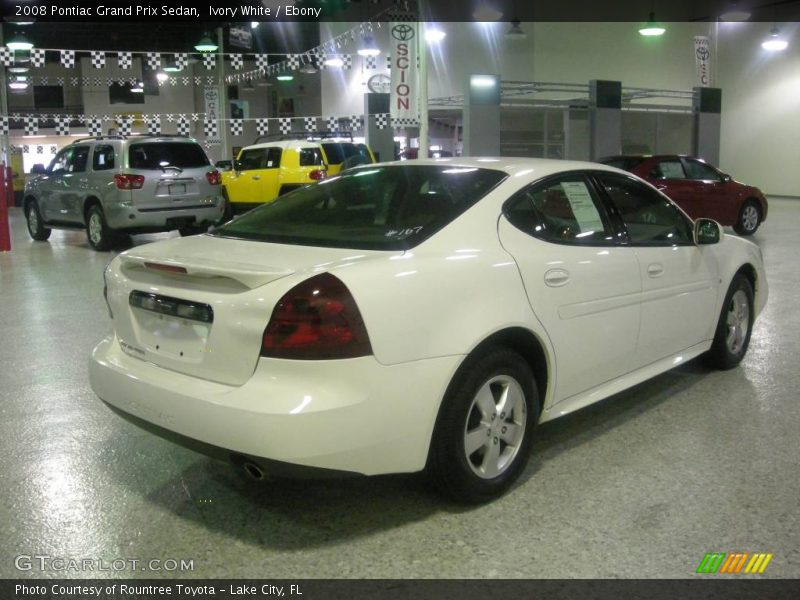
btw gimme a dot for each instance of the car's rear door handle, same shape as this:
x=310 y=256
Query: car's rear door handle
x=556 y=277
x=655 y=270
x=256 y=177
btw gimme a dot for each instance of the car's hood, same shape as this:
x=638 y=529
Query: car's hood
x=250 y=263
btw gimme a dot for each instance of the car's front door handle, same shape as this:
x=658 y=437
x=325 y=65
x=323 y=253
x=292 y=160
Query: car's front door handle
x=655 y=270
x=256 y=177
x=556 y=277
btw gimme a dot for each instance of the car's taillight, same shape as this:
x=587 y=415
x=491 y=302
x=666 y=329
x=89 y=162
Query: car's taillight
x=317 y=319
x=317 y=174
x=214 y=177
x=129 y=182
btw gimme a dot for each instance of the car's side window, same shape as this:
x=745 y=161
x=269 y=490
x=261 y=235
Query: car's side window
x=697 y=170
x=565 y=210
x=252 y=159
x=649 y=217
x=60 y=162
x=273 y=158
x=668 y=169
x=310 y=157
x=79 y=160
x=103 y=158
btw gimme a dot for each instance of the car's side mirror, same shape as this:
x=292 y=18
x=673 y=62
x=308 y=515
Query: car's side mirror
x=707 y=231
x=237 y=165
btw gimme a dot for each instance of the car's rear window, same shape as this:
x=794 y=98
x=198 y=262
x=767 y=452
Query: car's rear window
x=371 y=208
x=158 y=155
x=334 y=152
x=621 y=162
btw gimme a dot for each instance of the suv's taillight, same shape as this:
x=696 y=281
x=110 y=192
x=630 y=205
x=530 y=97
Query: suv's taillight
x=129 y=182
x=317 y=319
x=317 y=174
x=214 y=177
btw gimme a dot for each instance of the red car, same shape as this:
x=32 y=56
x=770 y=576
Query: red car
x=699 y=189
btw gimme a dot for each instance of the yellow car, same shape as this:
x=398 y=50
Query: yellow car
x=262 y=172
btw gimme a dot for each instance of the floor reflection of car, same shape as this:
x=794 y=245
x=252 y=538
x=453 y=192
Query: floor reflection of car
x=420 y=316
x=699 y=189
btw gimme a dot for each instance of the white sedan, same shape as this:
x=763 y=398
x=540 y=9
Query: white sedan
x=423 y=315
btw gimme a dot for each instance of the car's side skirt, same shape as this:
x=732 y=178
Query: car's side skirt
x=609 y=388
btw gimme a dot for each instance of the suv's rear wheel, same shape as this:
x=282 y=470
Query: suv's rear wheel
x=100 y=236
x=36 y=227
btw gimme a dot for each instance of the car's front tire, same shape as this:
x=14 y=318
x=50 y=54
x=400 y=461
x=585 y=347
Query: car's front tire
x=100 y=235
x=749 y=218
x=484 y=431
x=735 y=324
x=36 y=227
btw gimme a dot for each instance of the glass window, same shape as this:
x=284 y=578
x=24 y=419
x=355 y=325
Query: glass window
x=649 y=217
x=103 y=158
x=61 y=161
x=273 y=158
x=159 y=155
x=310 y=157
x=565 y=210
x=381 y=208
x=79 y=160
x=334 y=152
x=698 y=170
x=668 y=169
x=255 y=158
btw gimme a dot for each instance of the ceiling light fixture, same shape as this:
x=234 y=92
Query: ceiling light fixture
x=18 y=70
x=161 y=76
x=369 y=48
x=285 y=77
x=734 y=14
x=206 y=45
x=18 y=83
x=254 y=24
x=486 y=13
x=434 y=35
x=19 y=42
x=308 y=69
x=652 y=28
x=515 y=32
x=774 y=43
x=336 y=63
x=138 y=88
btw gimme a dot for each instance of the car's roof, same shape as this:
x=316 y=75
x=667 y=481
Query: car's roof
x=285 y=144
x=648 y=156
x=135 y=139
x=541 y=167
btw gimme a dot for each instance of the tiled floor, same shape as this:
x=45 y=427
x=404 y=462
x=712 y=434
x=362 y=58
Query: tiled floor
x=641 y=485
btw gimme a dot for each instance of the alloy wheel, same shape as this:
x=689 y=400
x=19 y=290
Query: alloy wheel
x=738 y=321
x=495 y=426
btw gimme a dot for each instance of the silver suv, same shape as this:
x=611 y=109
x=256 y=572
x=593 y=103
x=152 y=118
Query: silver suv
x=114 y=185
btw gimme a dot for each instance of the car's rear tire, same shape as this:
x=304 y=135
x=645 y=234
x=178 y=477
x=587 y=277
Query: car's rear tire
x=735 y=324
x=100 y=235
x=36 y=227
x=481 y=443
x=749 y=218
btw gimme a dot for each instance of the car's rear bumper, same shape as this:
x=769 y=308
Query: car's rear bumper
x=352 y=415
x=120 y=216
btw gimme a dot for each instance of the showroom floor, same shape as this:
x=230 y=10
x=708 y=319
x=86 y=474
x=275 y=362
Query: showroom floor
x=641 y=485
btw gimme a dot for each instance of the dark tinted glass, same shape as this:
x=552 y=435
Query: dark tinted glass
x=253 y=159
x=158 y=155
x=649 y=217
x=697 y=170
x=273 y=158
x=334 y=152
x=382 y=208
x=564 y=210
x=80 y=158
x=103 y=158
x=310 y=157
